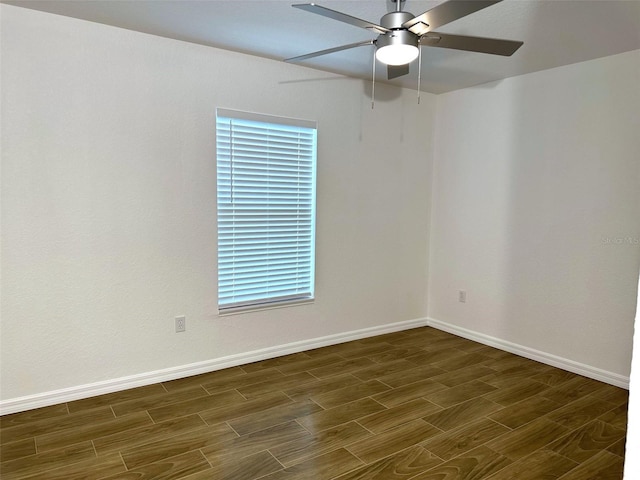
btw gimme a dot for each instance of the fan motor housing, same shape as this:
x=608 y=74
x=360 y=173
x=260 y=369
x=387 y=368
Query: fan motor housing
x=394 y=20
x=397 y=37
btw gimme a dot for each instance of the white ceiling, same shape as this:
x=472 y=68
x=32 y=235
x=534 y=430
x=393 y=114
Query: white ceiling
x=555 y=32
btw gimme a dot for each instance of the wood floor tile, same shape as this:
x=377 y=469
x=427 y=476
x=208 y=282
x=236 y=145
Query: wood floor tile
x=462 y=413
x=54 y=440
x=319 y=443
x=54 y=424
x=504 y=378
x=259 y=389
x=461 y=393
x=463 y=375
x=158 y=400
x=33 y=464
x=461 y=361
x=246 y=407
x=383 y=369
x=509 y=362
x=166 y=469
x=310 y=364
x=413 y=375
x=322 y=467
x=429 y=357
x=521 y=413
x=602 y=466
x=35 y=415
x=195 y=405
x=532 y=436
x=21 y=448
x=541 y=464
x=252 y=443
x=403 y=413
x=274 y=416
x=477 y=464
x=410 y=405
x=349 y=394
x=341 y=414
x=391 y=441
x=394 y=354
x=412 y=391
x=554 y=377
x=246 y=468
x=424 y=344
x=586 y=441
x=340 y=368
x=160 y=450
x=129 y=438
x=399 y=466
x=101 y=467
x=462 y=439
x=573 y=390
x=616 y=417
x=582 y=411
x=612 y=394
x=618 y=447
x=320 y=387
x=517 y=392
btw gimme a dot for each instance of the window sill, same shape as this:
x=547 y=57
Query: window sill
x=264 y=306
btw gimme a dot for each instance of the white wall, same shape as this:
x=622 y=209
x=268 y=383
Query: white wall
x=536 y=211
x=109 y=207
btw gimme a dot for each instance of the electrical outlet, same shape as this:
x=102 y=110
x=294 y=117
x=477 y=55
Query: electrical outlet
x=181 y=323
x=462 y=296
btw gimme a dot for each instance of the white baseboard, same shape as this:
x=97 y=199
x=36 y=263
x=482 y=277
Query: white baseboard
x=109 y=386
x=533 y=354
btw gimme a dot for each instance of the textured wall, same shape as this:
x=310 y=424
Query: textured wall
x=109 y=205
x=536 y=210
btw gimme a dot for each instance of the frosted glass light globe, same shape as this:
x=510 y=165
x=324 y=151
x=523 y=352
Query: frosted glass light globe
x=397 y=54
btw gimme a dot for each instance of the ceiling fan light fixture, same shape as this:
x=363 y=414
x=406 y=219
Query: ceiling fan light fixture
x=401 y=34
x=397 y=47
x=397 y=54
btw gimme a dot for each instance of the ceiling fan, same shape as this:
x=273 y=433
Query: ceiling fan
x=400 y=34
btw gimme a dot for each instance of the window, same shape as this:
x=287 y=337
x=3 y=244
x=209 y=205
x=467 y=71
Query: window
x=266 y=210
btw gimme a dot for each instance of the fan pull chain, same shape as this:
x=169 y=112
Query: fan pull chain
x=419 y=71
x=373 y=81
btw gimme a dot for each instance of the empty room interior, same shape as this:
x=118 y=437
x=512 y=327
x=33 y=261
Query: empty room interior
x=473 y=247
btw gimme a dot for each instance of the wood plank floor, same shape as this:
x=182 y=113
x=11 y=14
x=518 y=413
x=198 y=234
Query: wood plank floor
x=414 y=405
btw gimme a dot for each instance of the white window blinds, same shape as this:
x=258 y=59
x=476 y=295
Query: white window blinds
x=266 y=209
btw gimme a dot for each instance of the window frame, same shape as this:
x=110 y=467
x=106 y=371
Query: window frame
x=307 y=127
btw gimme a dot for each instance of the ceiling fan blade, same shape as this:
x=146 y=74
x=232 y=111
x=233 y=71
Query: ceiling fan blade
x=395 y=71
x=494 y=46
x=341 y=17
x=445 y=13
x=328 y=50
